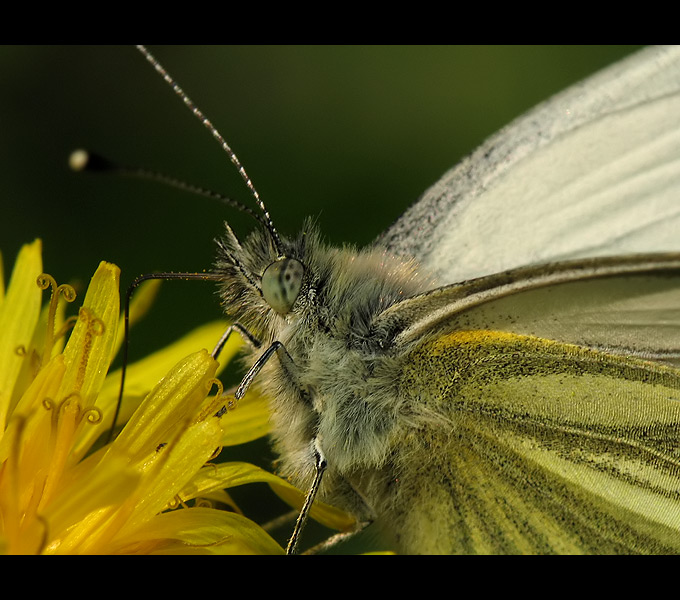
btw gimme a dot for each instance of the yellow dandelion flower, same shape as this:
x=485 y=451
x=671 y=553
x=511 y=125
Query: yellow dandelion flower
x=60 y=495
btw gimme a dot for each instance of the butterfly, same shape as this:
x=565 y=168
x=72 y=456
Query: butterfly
x=498 y=371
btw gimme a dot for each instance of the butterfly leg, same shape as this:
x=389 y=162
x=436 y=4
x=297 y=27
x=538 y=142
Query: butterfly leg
x=320 y=463
x=320 y=467
x=287 y=364
x=245 y=334
x=337 y=538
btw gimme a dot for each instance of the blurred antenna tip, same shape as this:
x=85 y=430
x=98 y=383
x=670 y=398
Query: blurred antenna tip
x=78 y=160
x=83 y=160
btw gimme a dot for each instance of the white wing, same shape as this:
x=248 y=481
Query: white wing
x=594 y=171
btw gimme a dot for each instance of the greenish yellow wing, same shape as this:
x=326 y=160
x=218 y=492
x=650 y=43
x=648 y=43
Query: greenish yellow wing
x=532 y=446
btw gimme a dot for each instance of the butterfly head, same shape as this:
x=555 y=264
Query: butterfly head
x=267 y=282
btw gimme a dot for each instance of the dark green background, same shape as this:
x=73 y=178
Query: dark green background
x=350 y=134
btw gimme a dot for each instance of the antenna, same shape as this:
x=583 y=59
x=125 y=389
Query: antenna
x=84 y=160
x=218 y=136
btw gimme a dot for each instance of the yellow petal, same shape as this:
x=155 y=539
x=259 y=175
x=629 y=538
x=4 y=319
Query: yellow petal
x=144 y=374
x=233 y=474
x=90 y=348
x=177 y=464
x=175 y=398
x=78 y=511
x=248 y=420
x=2 y=280
x=44 y=387
x=200 y=530
x=18 y=316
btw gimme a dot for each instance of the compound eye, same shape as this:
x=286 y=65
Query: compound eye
x=281 y=283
